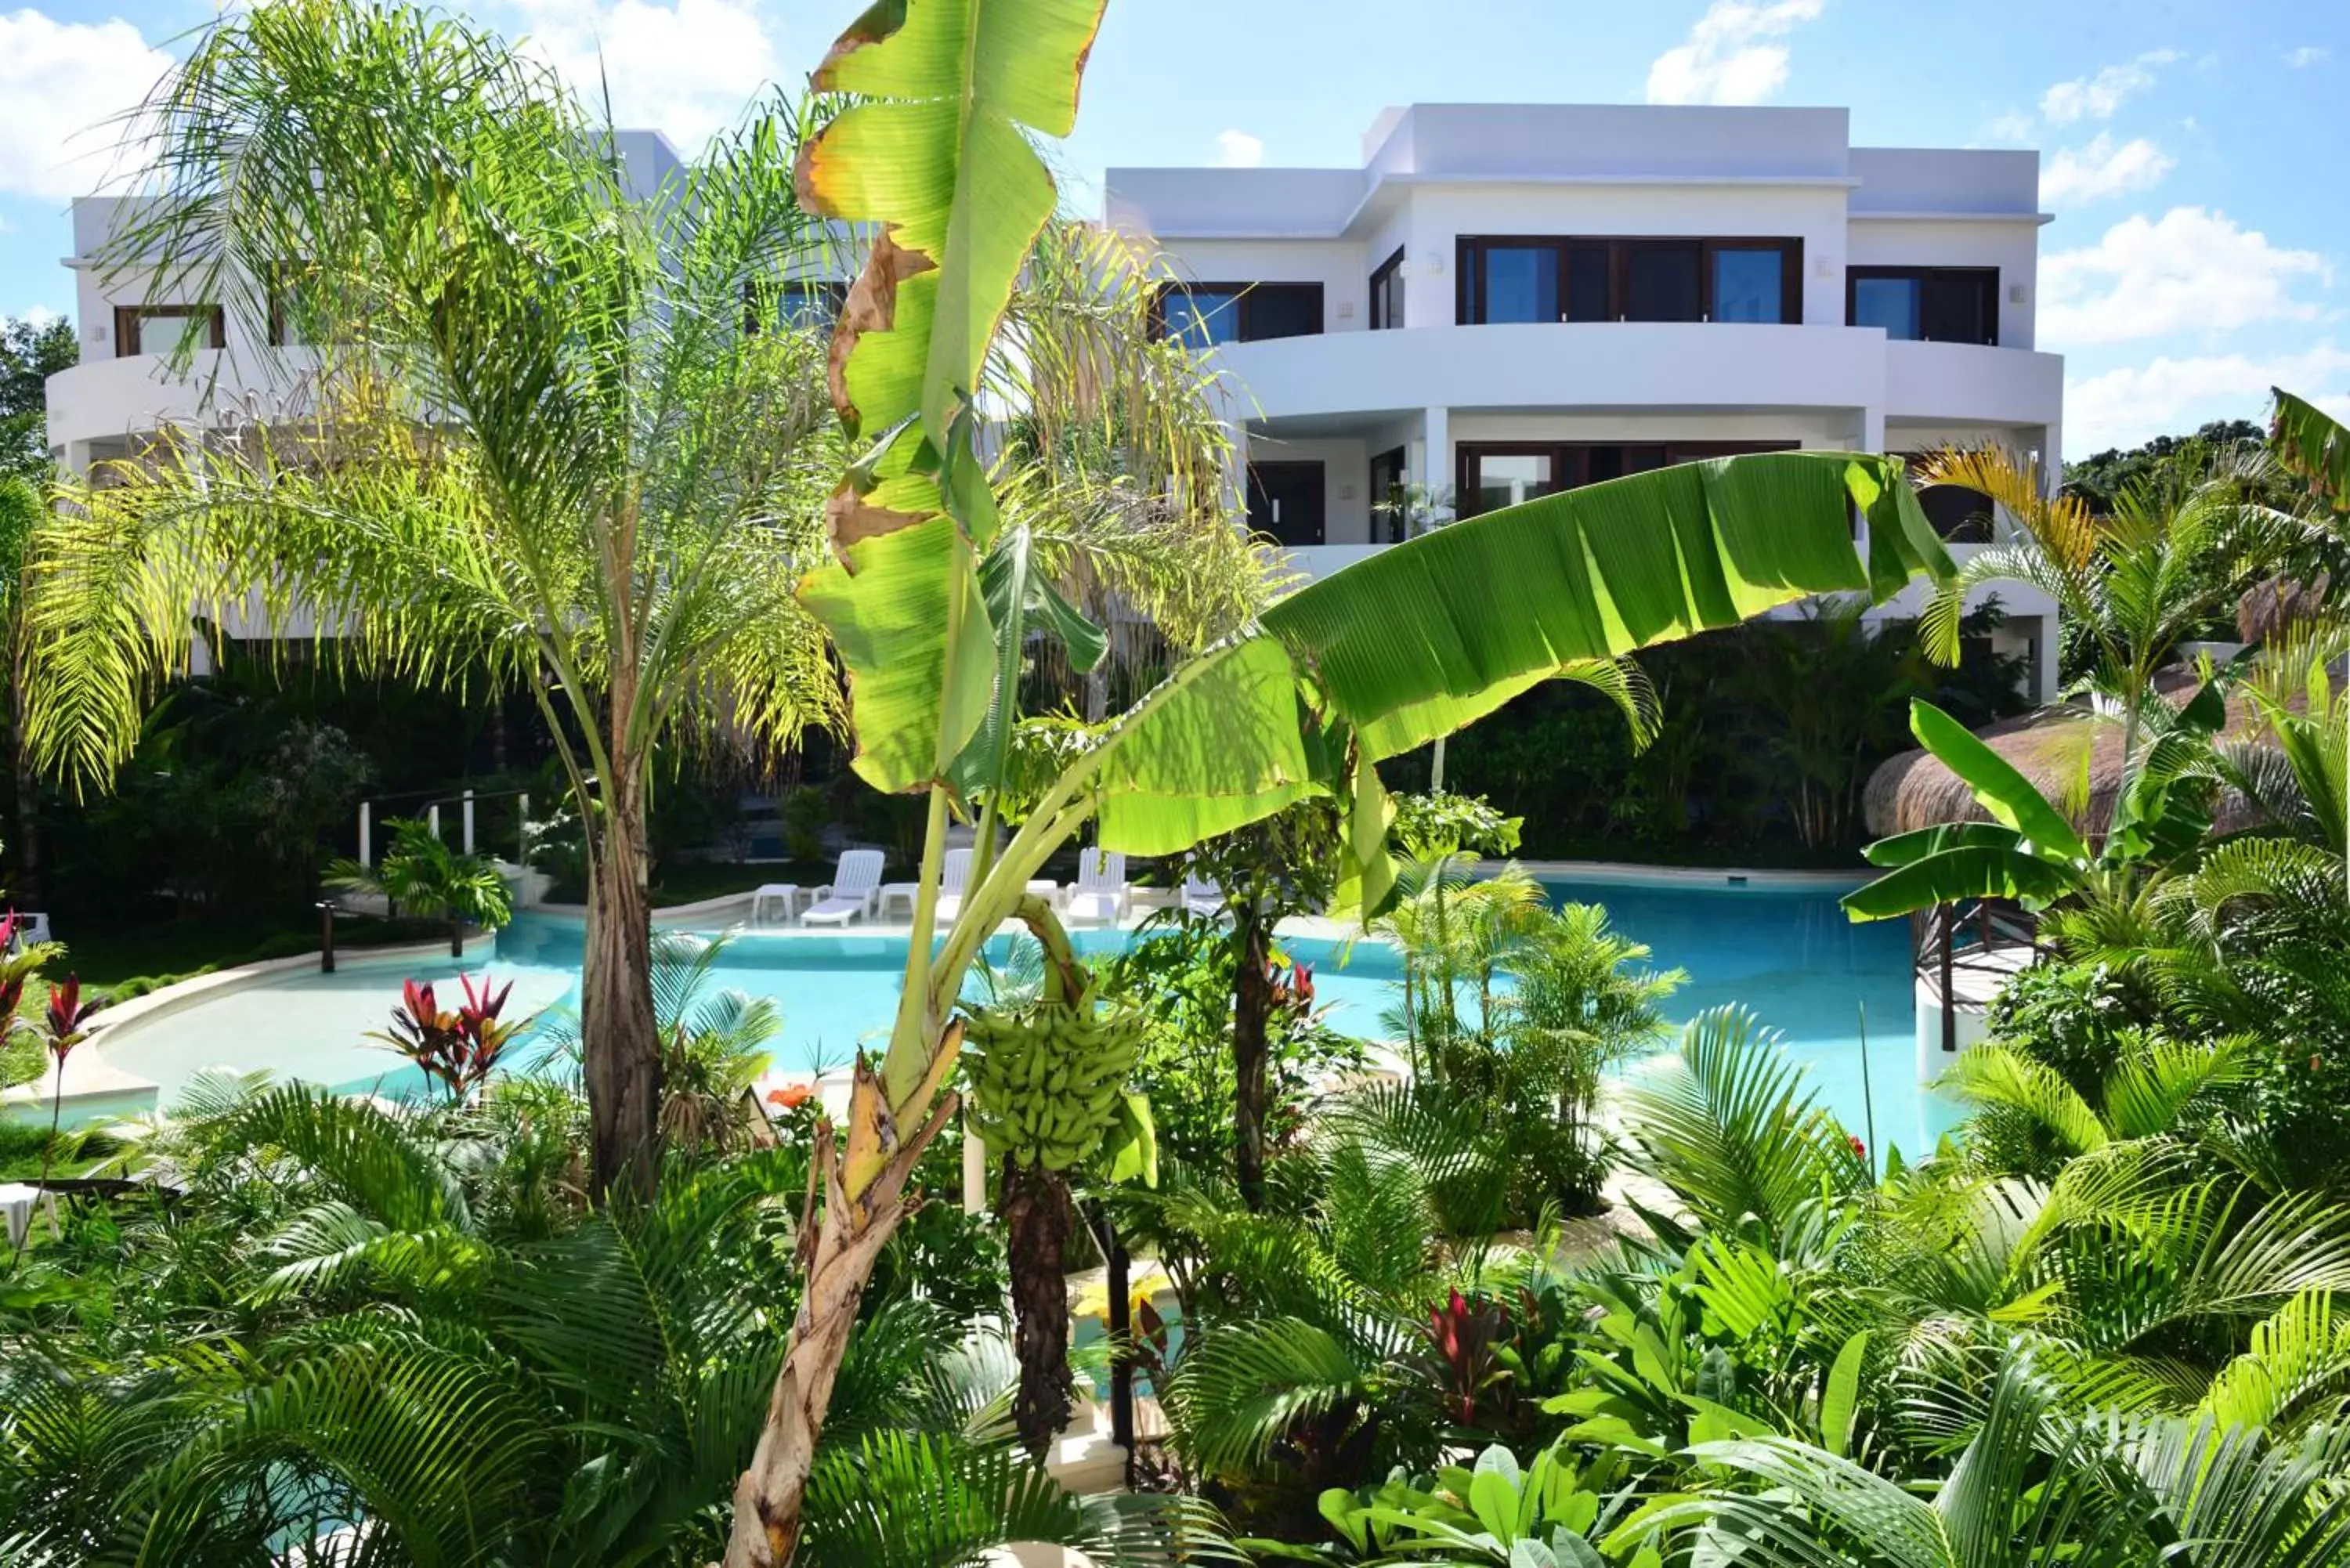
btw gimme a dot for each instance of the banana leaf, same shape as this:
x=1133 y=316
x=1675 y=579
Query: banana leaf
x=2001 y=790
x=1977 y=870
x=1423 y=637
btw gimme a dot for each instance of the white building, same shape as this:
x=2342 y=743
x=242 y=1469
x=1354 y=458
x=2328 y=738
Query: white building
x=1502 y=300
x=123 y=390
x=1509 y=299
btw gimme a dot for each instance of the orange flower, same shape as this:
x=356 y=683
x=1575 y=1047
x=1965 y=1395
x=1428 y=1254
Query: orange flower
x=792 y=1096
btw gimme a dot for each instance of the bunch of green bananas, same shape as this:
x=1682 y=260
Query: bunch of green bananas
x=1047 y=1077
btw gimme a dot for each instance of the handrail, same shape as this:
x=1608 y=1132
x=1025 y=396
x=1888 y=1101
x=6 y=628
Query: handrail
x=465 y=800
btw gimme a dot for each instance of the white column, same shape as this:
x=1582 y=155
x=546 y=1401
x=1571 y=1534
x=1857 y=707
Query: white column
x=974 y=1171
x=466 y=827
x=367 y=834
x=1436 y=456
x=433 y=818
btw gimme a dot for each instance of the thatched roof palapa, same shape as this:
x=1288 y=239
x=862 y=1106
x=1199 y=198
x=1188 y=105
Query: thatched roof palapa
x=2074 y=758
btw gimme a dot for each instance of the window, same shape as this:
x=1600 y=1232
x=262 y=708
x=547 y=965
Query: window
x=1208 y=313
x=1390 y=501
x=1935 y=305
x=1285 y=501
x=1525 y=278
x=1662 y=283
x=1957 y=514
x=1387 y=293
x=1491 y=475
x=285 y=283
x=1495 y=476
x=812 y=305
x=1749 y=283
x=162 y=328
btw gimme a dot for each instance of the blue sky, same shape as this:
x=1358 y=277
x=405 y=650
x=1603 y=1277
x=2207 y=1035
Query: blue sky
x=2195 y=155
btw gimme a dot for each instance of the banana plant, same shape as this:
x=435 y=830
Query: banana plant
x=935 y=154
x=2029 y=851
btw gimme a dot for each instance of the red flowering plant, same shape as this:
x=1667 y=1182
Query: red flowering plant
x=65 y=1025
x=458 y=1048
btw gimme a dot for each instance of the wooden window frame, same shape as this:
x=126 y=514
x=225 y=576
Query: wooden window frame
x=1987 y=277
x=1571 y=459
x=128 y=318
x=1468 y=250
x=1241 y=293
x=1386 y=270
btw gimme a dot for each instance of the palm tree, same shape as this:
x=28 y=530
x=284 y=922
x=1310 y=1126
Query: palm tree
x=556 y=437
x=2174 y=554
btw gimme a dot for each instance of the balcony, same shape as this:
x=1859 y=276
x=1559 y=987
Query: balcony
x=108 y=399
x=1968 y=383
x=1692 y=366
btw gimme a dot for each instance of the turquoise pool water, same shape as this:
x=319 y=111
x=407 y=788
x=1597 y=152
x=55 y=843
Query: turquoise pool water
x=1788 y=955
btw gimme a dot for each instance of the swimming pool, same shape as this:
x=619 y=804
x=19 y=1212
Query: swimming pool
x=1787 y=953
x=1790 y=956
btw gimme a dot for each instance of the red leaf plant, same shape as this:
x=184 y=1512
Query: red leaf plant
x=1463 y=1334
x=65 y=1025
x=459 y=1049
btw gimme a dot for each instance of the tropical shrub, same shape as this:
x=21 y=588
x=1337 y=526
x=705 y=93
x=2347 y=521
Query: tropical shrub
x=421 y=875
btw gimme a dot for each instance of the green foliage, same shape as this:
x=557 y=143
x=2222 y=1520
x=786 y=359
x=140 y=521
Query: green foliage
x=30 y=353
x=421 y=874
x=1434 y=823
x=1749 y=762
x=1184 y=969
x=2099 y=479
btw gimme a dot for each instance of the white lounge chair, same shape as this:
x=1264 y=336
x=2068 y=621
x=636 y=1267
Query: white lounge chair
x=850 y=894
x=1201 y=896
x=32 y=930
x=1101 y=893
x=954 y=874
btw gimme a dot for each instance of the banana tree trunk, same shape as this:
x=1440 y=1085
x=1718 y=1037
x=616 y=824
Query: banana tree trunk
x=1251 y=1008
x=863 y=1190
x=1037 y=1216
x=620 y=1046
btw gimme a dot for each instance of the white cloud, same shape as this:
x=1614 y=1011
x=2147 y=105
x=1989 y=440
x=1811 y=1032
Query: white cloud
x=2307 y=55
x=1239 y=150
x=1726 y=59
x=59 y=81
x=2011 y=127
x=2103 y=167
x=2096 y=97
x=2134 y=403
x=2191 y=271
x=686 y=67
x=36 y=316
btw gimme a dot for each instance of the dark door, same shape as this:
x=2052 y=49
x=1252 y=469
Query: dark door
x=1285 y=501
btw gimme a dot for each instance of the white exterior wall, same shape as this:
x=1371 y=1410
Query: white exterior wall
x=2012 y=247
x=106 y=405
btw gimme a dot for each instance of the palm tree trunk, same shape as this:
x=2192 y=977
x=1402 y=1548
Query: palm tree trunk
x=837 y=1253
x=1037 y=1212
x=1252 y=1007
x=620 y=1046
